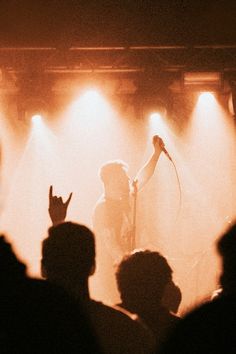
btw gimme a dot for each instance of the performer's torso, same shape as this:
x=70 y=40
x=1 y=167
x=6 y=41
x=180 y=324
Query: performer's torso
x=117 y=216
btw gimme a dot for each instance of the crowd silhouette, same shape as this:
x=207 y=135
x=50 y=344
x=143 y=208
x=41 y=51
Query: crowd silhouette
x=57 y=314
x=68 y=259
x=142 y=278
x=211 y=328
x=36 y=316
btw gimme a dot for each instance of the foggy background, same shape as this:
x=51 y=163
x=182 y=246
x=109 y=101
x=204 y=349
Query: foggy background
x=181 y=211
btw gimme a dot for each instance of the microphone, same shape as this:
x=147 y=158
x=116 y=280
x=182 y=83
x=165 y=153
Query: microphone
x=166 y=153
x=162 y=146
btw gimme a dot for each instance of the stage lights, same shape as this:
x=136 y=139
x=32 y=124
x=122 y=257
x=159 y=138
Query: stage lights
x=34 y=94
x=202 y=81
x=36 y=118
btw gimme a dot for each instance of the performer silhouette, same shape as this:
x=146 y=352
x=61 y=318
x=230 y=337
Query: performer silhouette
x=114 y=217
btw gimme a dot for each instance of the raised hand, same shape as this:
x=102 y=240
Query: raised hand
x=57 y=208
x=158 y=143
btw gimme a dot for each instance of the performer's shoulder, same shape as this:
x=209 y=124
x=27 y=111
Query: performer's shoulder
x=100 y=204
x=99 y=210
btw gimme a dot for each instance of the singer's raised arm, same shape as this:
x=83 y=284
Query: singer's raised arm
x=146 y=171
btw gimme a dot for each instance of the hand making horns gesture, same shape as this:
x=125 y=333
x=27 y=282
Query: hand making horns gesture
x=57 y=208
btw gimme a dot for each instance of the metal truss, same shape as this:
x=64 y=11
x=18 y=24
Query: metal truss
x=119 y=59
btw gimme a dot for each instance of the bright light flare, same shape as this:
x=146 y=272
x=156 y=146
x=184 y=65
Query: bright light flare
x=36 y=118
x=88 y=103
x=206 y=98
x=91 y=95
x=207 y=111
x=210 y=146
x=157 y=124
x=155 y=115
x=38 y=126
x=92 y=98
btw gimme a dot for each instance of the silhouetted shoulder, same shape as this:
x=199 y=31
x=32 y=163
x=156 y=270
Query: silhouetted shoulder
x=209 y=329
x=119 y=333
x=37 y=317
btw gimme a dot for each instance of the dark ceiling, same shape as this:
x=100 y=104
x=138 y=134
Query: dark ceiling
x=43 y=42
x=109 y=23
x=122 y=35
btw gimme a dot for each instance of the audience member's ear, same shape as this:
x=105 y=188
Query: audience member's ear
x=43 y=270
x=172 y=297
x=92 y=270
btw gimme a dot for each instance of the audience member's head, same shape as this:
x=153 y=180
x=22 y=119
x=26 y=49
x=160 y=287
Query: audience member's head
x=68 y=259
x=210 y=328
x=227 y=249
x=38 y=317
x=10 y=267
x=68 y=253
x=142 y=278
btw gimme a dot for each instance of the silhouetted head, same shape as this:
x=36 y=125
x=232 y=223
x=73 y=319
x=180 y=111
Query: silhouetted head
x=142 y=278
x=10 y=267
x=114 y=176
x=68 y=253
x=227 y=249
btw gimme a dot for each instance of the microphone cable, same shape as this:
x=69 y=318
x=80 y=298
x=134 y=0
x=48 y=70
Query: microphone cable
x=179 y=187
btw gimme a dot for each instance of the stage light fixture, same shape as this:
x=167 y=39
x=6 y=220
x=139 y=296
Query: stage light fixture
x=154 y=92
x=232 y=98
x=155 y=115
x=31 y=106
x=206 y=96
x=202 y=81
x=34 y=94
x=154 y=105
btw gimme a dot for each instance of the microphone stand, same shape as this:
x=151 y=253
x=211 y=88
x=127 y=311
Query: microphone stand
x=133 y=236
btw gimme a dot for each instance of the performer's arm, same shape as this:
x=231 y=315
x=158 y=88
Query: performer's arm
x=146 y=172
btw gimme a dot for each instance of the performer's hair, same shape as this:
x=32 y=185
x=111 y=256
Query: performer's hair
x=111 y=169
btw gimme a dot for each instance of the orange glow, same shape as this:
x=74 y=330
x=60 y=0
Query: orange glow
x=208 y=170
x=181 y=222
